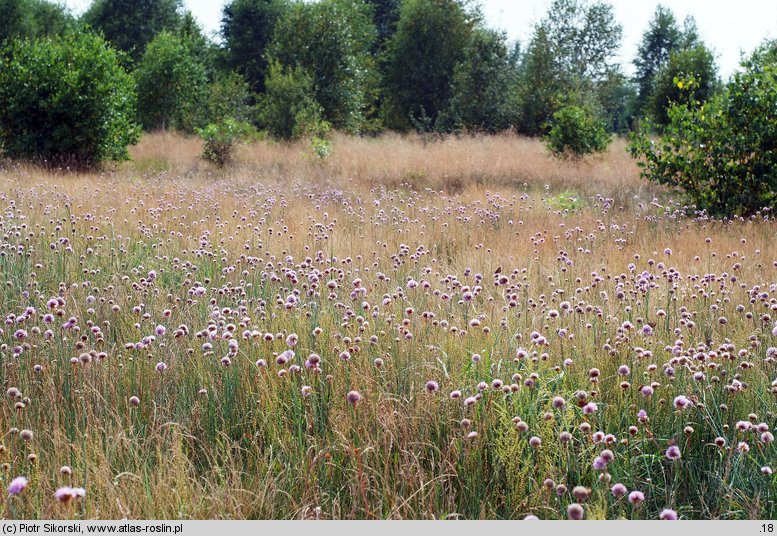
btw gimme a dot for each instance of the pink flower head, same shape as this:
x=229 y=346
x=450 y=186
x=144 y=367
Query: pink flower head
x=66 y=494
x=673 y=452
x=353 y=397
x=668 y=515
x=636 y=497
x=619 y=490
x=575 y=512
x=17 y=485
x=681 y=402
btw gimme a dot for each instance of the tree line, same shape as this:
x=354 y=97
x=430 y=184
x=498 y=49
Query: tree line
x=78 y=90
x=362 y=66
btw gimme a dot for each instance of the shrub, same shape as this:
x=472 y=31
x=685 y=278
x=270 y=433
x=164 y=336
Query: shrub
x=575 y=132
x=229 y=95
x=222 y=138
x=331 y=40
x=66 y=101
x=690 y=75
x=171 y=85
x=288 y=109
x=722 y=154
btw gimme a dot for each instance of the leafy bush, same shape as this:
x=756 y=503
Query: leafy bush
x=288 y=109
x=331 y=40
x=222 y=138
x=723 y=153
x=229 y=95
x=689 y=76
x=575 y=132
x=66 y=101
x=482 y=95
x=171 y=85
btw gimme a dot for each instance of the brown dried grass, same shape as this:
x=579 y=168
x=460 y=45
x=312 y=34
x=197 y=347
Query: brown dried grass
x=450 y=164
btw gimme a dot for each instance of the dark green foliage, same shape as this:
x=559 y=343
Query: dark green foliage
x=247 y=27
x=221 y=139
x=666 y=52
x=483 y=98
x=385 y=15
x=662 y=37
x=421 y=59
x=538 y=85
x=201 y=48
x=617 y=97
x=171 y=85
x=576 y=132
x=331 y=41
x=722 y=153
x=130 y=25
x=229 y=96
x=32 y=18
x=288 y=109
x=66 y=101
x=571 y=60
x=689 y=75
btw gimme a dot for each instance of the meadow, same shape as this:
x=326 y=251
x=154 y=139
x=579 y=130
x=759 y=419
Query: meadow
x=408 y=329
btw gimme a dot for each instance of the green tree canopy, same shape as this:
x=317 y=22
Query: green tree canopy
x=331 y=40
x=130 y=25
x=662 y=37
x=32 y=18
x=690 y=75
x=171 y=84
x=385 y=15
x=422 y=56
x=585 y=38
x=247 y=27
x=66 y=100
x=570 y=60
x=483 y=92
x=722 y=153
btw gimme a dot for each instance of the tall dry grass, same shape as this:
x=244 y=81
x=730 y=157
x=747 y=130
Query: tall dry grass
x=450 y=164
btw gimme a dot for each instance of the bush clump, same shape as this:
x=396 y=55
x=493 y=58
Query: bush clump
x=221 y=139
x=576 y=132
x=723 y=153
x=66 y=101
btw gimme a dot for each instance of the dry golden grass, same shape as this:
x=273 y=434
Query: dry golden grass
x=450 y=164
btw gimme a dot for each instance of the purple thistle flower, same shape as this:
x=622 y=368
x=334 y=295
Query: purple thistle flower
x=636 y=497
x=619 y=490
x=66 y=494
x=673 y=452
x=668 y=515
x=575 y=512
x=681 y=402
x=17 y=485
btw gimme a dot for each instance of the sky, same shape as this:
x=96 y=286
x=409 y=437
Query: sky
x=726 y=26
